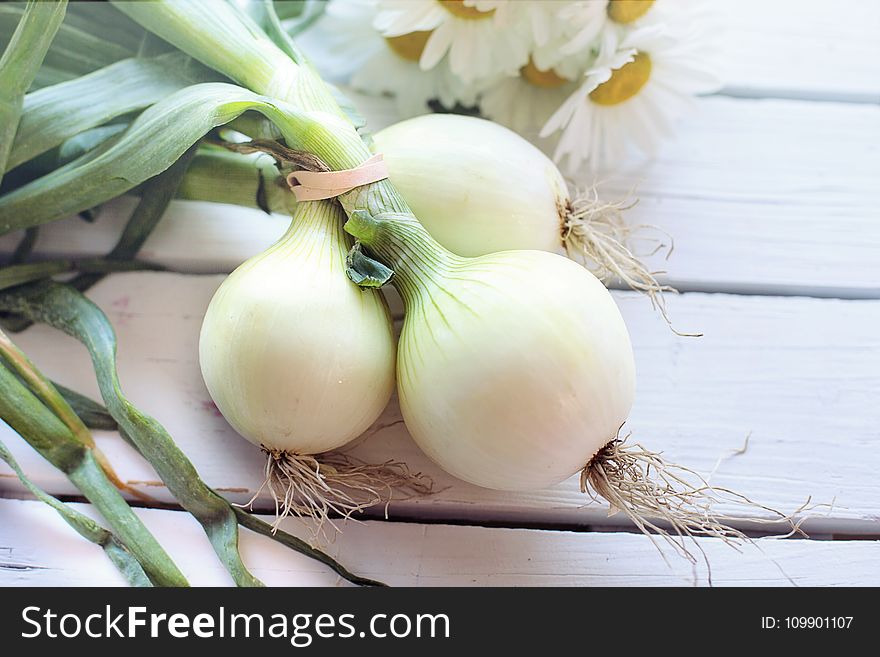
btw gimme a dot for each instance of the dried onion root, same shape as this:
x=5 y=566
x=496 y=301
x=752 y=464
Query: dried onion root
x=334 y=485
x=672 y=501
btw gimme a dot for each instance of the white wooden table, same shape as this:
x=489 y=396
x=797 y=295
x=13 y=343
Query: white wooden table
x=771 y=192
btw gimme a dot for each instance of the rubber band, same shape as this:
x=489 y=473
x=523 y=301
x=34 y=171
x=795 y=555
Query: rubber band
x=317 y=185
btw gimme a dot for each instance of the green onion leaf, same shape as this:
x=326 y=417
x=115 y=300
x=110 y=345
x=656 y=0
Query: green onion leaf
x=67 y=309
x=153 y=142
x=250 y=521
x=116 y=551
x=24 y=411
x=156 y=194
x=221 y=176
x=79 y=47
x=92 y=414
x=20 y=274
x=57 y=113
x=19 y=65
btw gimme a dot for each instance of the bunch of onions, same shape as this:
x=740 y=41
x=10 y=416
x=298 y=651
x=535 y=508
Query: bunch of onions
x=300 y=361
x=514 y=369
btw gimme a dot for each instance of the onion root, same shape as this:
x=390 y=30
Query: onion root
x=595 y=233
x=334 y=485
x=668 y=500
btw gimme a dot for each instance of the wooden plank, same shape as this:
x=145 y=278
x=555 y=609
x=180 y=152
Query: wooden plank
x=801 y=48
x=799 y=374
x=38 y=549
x=758 y=201
x=772 y=197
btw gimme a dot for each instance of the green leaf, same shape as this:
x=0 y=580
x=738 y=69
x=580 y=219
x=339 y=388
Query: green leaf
x=92 y=414
x=25 y=246
x=68 y=310
x=250 y=521
x=264 y=14
x=70 y=150
x=221 y=176
x=348 y=108
x=13 y=275
x=80 y=144
x=57 y=113
x=79 y=46
x=48 y=75
x=310 y=12
x=218 y=34
x=225 y=38
x=156 y=194
x=362 y=270
x=154 y=141
x=19 y=65
x=105 y=21
x=44 y=431
x=124 y=560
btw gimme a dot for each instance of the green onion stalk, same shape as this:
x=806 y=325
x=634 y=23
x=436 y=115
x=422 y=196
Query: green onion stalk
x=33 y=407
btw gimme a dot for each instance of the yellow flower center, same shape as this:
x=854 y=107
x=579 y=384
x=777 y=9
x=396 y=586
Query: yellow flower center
x=547 y=79
x=624 y=83
x=457 y=8
x=409 y=46
x=628 y=11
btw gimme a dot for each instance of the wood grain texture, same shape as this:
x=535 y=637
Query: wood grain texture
x=772 y=197
x=809 y=49
x=37 y=548
x=799 y=375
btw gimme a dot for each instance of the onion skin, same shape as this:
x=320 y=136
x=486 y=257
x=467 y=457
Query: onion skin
x=514 y=369
x=476 y=186
x=295 y=355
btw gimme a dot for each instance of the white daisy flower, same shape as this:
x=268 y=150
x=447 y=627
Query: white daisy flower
x=394 y=70
x=345 y=48
x=628 y=12
x=585 y=20
x=544 y=18
x=639 y=13
x=590 y=17
x=525 y=103
x=640 y=82
x=478 y=44
x=342 y=40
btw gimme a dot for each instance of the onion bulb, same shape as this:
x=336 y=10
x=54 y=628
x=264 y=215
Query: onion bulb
x=515 y=372
x=514 y=368
x=480 y=188
x=297 y=358
x=476 y=186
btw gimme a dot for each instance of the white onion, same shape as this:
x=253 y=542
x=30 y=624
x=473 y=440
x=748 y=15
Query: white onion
x=296 y=357
x=514 y=368
x=475 y=185
x=480 y=188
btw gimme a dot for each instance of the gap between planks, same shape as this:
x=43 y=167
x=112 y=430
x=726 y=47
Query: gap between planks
x=38 y=548
x=378 y=516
